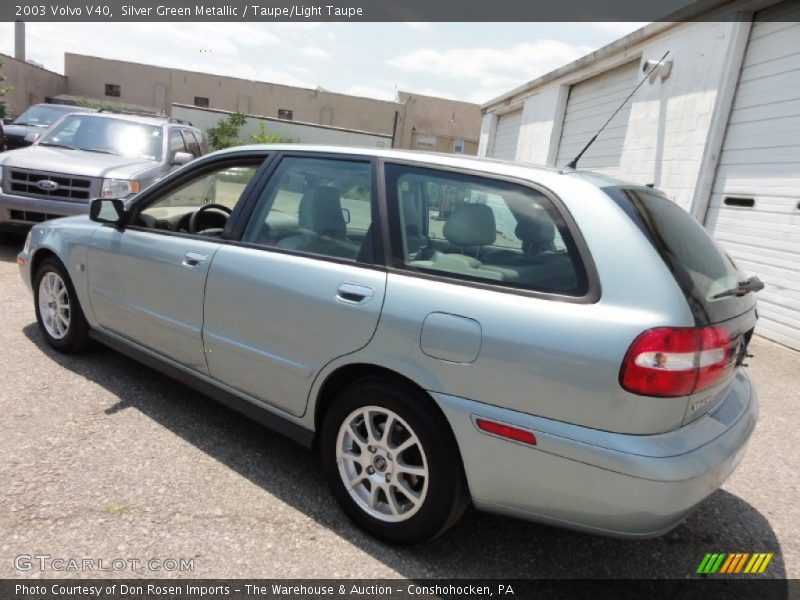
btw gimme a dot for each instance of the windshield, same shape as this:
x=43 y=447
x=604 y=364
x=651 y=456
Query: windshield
x=43 y=116
x=700 y=266
x=107 y=135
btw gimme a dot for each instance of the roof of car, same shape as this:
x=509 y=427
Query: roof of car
x=474 y=163
x=154 y=120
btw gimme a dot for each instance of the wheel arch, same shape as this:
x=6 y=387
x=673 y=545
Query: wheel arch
x=39 y=255
x=344 y=375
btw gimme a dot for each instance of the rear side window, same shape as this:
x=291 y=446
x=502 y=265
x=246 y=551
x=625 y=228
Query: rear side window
x=699 y=265
x=480 y=229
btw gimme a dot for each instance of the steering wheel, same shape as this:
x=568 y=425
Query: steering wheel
x=193 y=221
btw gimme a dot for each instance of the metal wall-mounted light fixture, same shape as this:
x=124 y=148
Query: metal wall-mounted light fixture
x=662 y=71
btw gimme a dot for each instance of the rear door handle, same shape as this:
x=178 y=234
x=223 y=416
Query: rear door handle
x=354 y=293
x=193 y=259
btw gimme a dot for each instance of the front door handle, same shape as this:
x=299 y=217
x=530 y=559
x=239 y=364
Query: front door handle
x=354 y=293
x=193 y=259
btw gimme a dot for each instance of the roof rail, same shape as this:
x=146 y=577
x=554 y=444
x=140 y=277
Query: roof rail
x=180 y=121
x=136 y=113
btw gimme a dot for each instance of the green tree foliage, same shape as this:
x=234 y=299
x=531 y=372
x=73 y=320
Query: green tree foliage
x=3 y=92
x=225 y=133
x=265 y=137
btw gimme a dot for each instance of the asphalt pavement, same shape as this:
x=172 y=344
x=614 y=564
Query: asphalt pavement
x=104 y=459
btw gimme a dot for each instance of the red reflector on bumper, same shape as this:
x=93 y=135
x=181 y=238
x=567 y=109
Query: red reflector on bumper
x=20 y=261
x=506 y=431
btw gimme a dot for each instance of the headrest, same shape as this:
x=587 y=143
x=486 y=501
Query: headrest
x=535 y=229
x=471 y=225
x=320 y=211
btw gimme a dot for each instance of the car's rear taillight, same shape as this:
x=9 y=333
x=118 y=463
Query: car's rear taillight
x=676 y=361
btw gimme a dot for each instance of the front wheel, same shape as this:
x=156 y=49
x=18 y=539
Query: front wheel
x=58 y=312
x=392 y=462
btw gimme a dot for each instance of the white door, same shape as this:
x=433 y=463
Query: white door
x=504 y=145
x=755 y=204
x=590 y=103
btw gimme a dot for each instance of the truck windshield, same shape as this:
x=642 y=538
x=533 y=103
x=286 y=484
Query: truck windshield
x=43 y=116
x=107 y=135
x=700 y=266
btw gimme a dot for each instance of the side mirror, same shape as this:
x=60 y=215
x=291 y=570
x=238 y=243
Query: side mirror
x=107 y=210
x=181 y=158
x=346 y=215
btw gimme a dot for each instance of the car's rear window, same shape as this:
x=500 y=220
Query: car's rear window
x=700 y=266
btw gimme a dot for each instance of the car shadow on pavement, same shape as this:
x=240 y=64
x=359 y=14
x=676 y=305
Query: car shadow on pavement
x=480 y=546
x=10 y=246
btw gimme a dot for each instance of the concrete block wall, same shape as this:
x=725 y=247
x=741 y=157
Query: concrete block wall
x=670 y=123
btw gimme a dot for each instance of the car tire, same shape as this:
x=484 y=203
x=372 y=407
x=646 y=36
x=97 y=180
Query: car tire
x=58 y=311
x=404 y=498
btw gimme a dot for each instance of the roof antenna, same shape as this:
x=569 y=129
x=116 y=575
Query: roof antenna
x=574 y=163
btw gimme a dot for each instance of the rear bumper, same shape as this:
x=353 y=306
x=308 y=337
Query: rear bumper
x=19 y=213
x=602 y=482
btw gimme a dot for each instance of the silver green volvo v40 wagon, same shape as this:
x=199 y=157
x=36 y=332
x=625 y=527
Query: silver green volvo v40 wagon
x=445 y=331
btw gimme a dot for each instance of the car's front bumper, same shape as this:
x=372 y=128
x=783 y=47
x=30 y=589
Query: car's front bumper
x=608 y=483
x=20 y=213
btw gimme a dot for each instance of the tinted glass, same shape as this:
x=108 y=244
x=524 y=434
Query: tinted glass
x=481 y=229
x=191 y=143
x=700 y=266
x=176 y=143
x=106 y=135
x=43 y=115
x=315 y=206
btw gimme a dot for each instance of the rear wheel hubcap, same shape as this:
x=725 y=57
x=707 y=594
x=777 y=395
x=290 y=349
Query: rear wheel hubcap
x=382 y=464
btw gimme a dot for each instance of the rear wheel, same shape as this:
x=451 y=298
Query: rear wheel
x=392 y=462
x=58 y=311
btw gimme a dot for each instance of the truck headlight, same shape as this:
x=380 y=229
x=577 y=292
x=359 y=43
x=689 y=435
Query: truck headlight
x=118 y=188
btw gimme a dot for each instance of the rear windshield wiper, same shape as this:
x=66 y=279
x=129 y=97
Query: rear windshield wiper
x=51 y=145
x=753 y=284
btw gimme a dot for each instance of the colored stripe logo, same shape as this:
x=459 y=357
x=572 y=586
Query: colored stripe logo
x=734 y=563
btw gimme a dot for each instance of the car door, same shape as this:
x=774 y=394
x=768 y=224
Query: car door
x=146 y=281
x=301 y=287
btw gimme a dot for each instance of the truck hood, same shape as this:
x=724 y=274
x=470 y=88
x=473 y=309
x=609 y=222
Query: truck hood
x=75 y=162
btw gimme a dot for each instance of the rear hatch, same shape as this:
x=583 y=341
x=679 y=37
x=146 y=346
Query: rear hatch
x=708 y=277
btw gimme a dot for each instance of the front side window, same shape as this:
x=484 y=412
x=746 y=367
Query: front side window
x=480 y=229
x=176 y=143
x=315 y=206
x=107 y=135
x=202 y=205
x=191 y=143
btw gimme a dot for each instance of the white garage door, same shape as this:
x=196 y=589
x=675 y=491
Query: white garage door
x=504 y=145
x=755 y=205
x=590 y=104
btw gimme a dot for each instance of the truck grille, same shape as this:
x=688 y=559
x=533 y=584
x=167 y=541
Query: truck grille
x=58 y=186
